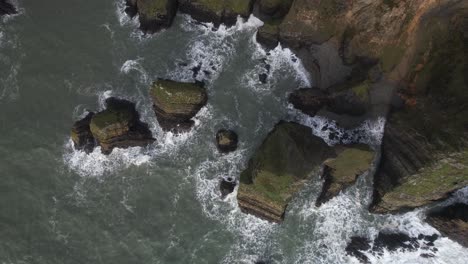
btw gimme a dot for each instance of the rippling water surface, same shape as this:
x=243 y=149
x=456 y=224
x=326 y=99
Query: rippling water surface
x=160 y=204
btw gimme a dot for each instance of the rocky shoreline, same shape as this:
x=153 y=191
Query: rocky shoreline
x=403 y=60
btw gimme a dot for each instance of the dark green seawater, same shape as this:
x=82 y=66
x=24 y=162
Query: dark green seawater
x=159 y=204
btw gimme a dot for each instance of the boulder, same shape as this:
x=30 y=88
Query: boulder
x=119 y=126
x=6 y=8
x=343 y=170
x=226 y=140
x=175 y=103
x=309 y=100
x=81 y=134
x=155 y=15
x=285 y=160
x=216 y=11
x=227 y=186
x=451 y=221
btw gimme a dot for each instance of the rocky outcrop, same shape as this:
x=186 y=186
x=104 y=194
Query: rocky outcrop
x=271 y=12
x=451 y=221
x=287 y=158
x=342 y=171
x=119 y=126
x=175 y=103
x=217 y=11
x=6 y=8
x=154 y=15
x=390 y=241
x=226 y=140
x=81 y=134
x=309 y=100
x=424 y=152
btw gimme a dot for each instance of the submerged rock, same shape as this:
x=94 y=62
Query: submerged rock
x=357 y=246
x=6 y=8
x=285 y=160
x=343 y=170
x=155 y=15
x=175 y=103
x=119 y=126
x=451 y=221
x=226 y=140
x=81 y=134
x=217 y=11
x=390 y=241
x=309 y=100
x=227 y=186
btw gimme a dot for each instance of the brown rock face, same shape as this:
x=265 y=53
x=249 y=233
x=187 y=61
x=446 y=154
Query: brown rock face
x=226 y=140
x=452 y=221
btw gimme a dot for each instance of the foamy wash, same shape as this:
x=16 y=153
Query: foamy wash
x=162 y=203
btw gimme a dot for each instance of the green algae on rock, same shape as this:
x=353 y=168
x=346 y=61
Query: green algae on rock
x=119 y=126
x=226 y=140
x=156 y=14
x=286 y=159
x=343 y=170
x=175 y=103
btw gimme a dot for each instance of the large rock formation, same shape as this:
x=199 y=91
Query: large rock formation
x=286 y=159
x=118 y=126
x=6 y=8
x=226 y=140
x=452 y=221
x=154 y=15
x=175 y=103
x=309 y=100
x=272 y=13
x=216 y=11
x=424 y=153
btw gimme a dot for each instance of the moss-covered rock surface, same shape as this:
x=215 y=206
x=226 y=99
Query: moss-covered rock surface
x=155 y=14
x=175 y=103
x=216 y=11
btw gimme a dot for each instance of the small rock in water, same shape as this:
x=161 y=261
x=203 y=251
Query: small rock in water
x=226 y=140
x=227 y=186
x=263 y=78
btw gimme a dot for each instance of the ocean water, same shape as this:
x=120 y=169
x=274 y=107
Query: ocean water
x=161 y=204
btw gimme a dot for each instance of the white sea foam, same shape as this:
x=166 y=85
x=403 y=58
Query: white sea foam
x=135 y=66
x=211 y=48
x=123 y=18
x=369 y=132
